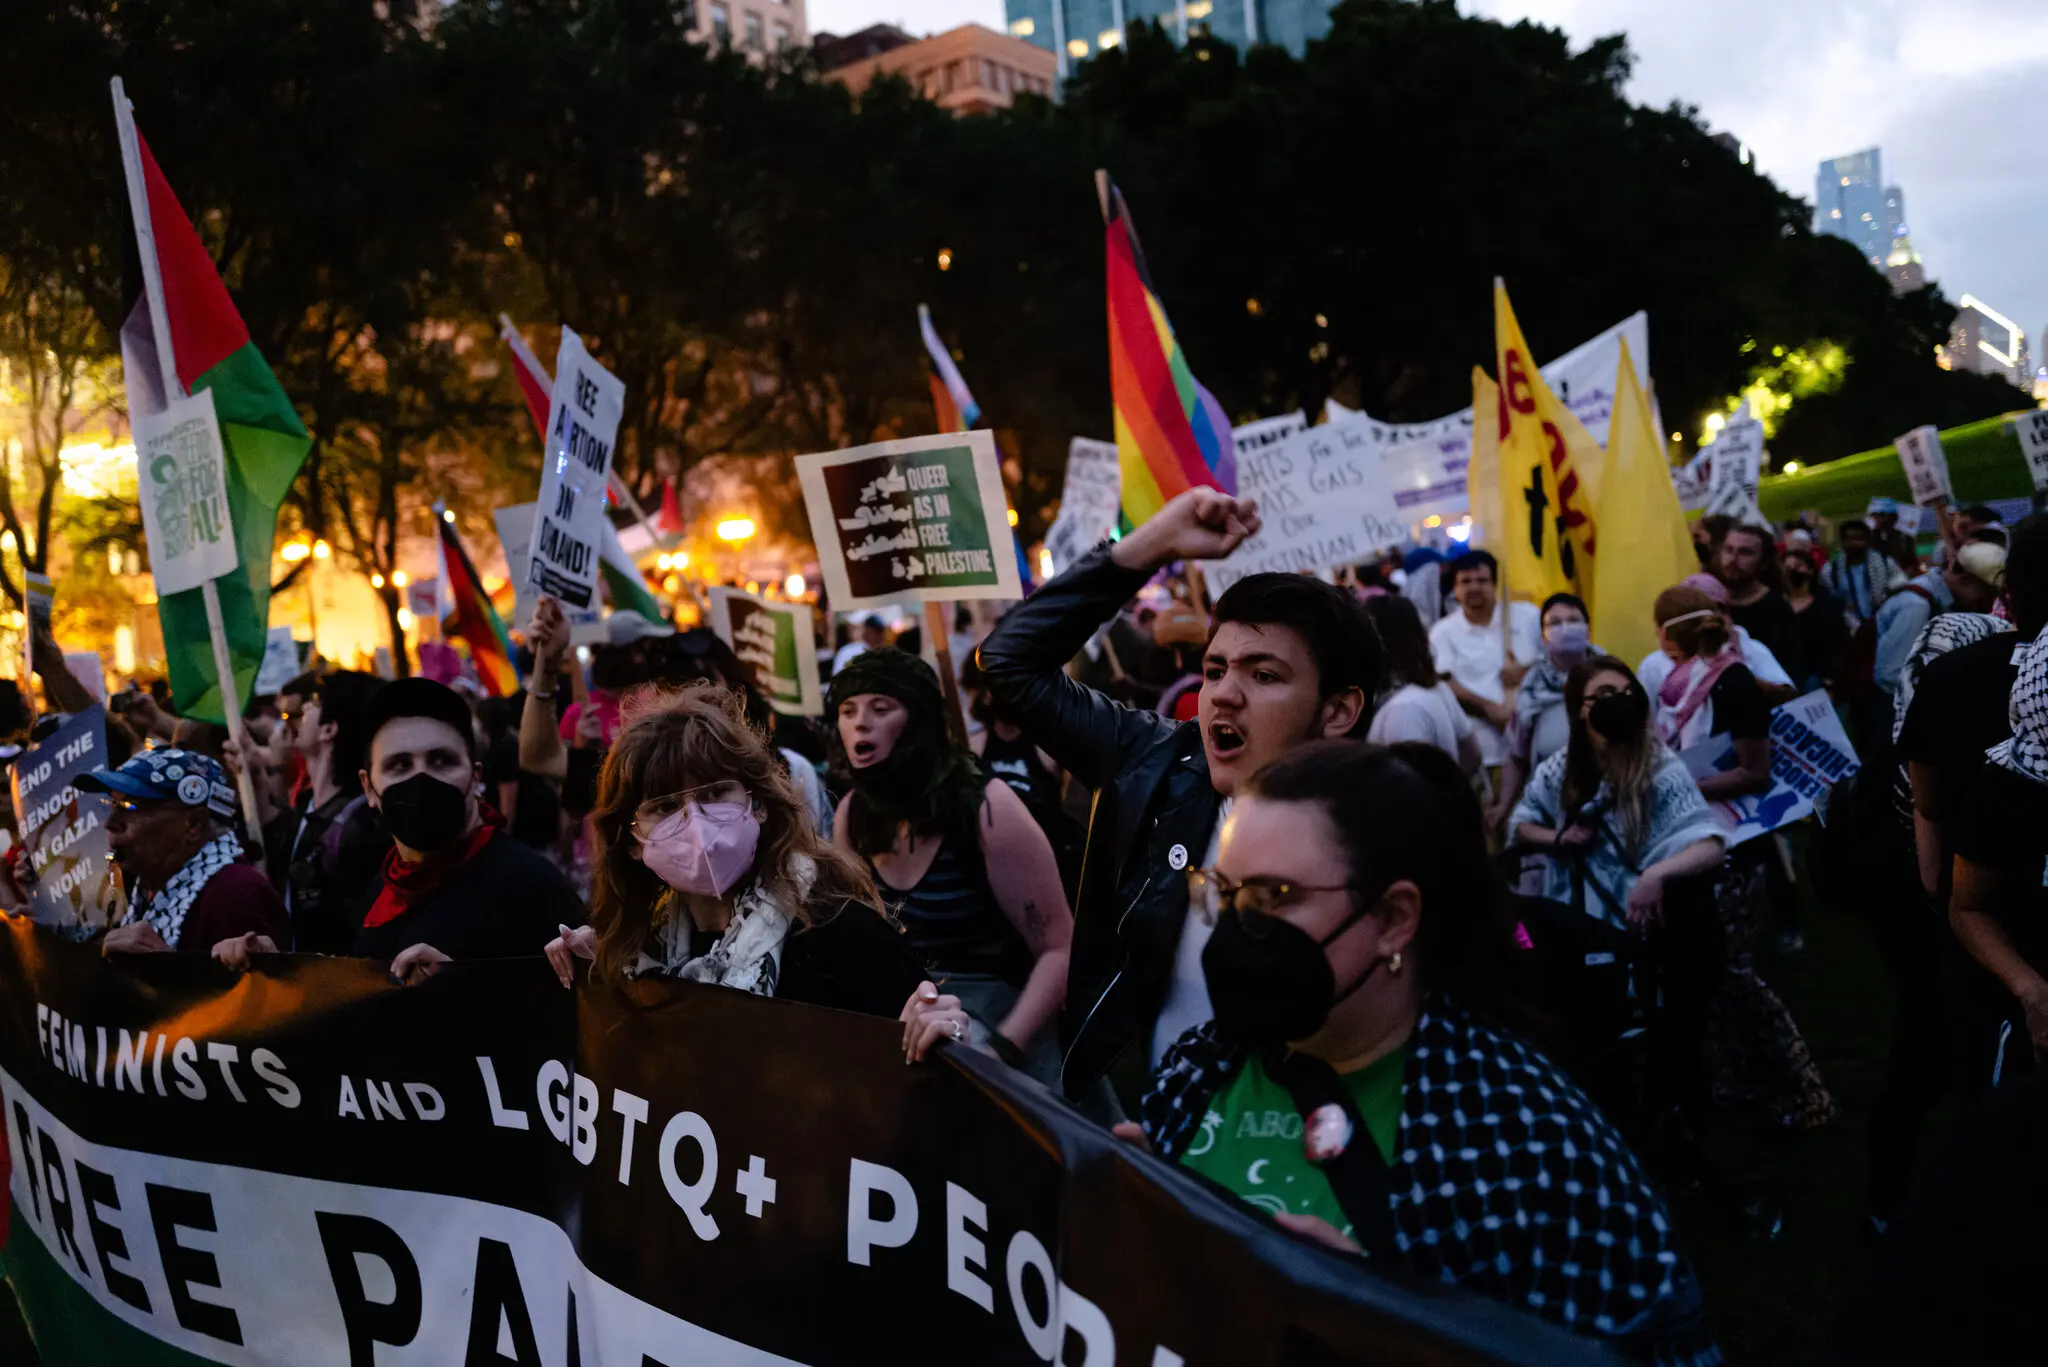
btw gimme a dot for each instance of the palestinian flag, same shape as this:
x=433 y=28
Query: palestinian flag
x=624 y=584
x=476 y=621
x=266 y=443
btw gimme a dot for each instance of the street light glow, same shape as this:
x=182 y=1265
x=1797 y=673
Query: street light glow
x=398 y=578
x=794 y=586
x=736 y=529
x=321 y=550
x=295 y=551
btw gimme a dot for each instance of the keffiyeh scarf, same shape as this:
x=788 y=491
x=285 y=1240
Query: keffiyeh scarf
x=1947 y=631
x=1504 y=1179
x=747 y=955
x=167 y=909
x=2026 y=753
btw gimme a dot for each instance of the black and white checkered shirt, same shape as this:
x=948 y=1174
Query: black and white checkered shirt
x=1505 y=1179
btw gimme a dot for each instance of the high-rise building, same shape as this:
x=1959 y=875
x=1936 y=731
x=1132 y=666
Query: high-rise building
x=1986 y=341
x=1852 y=202
x=967 y=70
x=1902 y=265
x=753 y=27
x=1073 y=30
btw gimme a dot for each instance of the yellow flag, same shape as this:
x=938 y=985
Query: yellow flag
x=1482 y=474
x=1645 y=547
x=1547 y=543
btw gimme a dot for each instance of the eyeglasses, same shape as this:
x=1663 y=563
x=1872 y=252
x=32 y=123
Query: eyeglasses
x=726 y=800
x=1256 y=901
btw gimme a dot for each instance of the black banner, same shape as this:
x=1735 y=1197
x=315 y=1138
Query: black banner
x=309 y=1165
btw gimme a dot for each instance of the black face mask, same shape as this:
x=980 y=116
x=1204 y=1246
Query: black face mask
x=1275 y=989
x=1620 y=716
x=425 y=814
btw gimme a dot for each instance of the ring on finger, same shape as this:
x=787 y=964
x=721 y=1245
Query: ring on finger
x=959 y=1029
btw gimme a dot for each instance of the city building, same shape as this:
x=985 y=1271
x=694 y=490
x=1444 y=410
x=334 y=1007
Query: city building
x=1987 y=342
x=1902 y=265
x=1074 y=30
x=1852 y=202
x=967 y=70
x=755 y=27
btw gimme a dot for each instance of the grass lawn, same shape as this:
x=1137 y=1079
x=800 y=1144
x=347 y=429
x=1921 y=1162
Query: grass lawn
x=1773 y=1302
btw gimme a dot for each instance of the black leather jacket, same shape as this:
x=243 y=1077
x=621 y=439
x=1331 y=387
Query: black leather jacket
x=1153 y=813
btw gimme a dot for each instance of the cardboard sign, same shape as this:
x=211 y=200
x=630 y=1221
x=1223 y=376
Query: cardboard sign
x=1090 y=499
x=1926 y=466
x=1810 y=753
x=2032 y=430
x=64 y=829
x=775 y=642
x=280 y=661
x=1324 y=500
x=921 y=519
x=576 y=465
x=181 y=477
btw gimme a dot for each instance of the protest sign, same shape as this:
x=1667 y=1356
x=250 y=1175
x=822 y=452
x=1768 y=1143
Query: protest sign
x=1255 y=437
x=85 y=666
x=776 y=644
x=63 y=829
x=1733 y=469
x=1090 y=499
x=2032 y=430
x=923 y=519
x=1810 y=753
x=309 y=1165
x=280 y=661
x=515 y=537
x=180 y=467
x=42 y=600
x=576 y=465
x=1323 y=501
x=1926 y=466
x=423 y=596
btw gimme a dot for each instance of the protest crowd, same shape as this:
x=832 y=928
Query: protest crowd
x=1413 y=886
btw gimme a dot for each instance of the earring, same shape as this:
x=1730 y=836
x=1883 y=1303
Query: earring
x=1394 y=964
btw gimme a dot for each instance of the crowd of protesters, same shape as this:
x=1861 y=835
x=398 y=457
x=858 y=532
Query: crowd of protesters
x=1407 y=926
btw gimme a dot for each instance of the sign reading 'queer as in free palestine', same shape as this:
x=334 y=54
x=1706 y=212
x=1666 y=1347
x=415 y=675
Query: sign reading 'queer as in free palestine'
x=773 y=641
x=923 y=518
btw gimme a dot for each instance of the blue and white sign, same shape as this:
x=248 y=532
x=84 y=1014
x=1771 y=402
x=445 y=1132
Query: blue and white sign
x=64 y=829
x=1810 y=753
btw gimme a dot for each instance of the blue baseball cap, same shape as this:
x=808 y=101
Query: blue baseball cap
x=182 y=776
x=1881 y=504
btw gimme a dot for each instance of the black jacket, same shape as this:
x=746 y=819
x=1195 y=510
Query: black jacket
x=1153 y=813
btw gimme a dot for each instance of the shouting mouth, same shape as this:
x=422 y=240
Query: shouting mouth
x=862 y=753
x=1226 y=742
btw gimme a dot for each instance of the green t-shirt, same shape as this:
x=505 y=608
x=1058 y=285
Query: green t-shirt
x=1251 y=1138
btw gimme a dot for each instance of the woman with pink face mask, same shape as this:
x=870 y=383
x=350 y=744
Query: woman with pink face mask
x=708 y=867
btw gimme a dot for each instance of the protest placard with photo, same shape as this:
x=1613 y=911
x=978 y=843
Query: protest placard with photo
x=1089 y=501
x=181 y=482
x=924 y=518
x=576 y=464
x=1810 y=753
x=63 y=829
x=775 y=642
x=1323 y=499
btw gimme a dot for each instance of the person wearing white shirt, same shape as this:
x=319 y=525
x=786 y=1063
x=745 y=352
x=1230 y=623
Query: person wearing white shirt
x=1470 y=654
x=1417 y=706
x=869 y=633
x=1656 y=666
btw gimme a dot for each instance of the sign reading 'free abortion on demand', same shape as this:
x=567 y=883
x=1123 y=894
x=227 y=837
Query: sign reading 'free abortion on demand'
x=309 y=1165
x=774 y=642
x=924 y=518
x=583 y=428
x=1324 y=500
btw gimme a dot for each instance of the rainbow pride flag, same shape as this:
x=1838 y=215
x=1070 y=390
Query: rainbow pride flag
x=1171 y=434
x=476 y=621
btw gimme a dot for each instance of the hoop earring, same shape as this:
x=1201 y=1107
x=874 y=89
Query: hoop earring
x=1394 y=964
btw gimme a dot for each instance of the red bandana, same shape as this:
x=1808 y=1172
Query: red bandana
x=406 y=882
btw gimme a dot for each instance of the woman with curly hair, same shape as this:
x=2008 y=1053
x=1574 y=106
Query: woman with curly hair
x=708 y=868
x=956 y=854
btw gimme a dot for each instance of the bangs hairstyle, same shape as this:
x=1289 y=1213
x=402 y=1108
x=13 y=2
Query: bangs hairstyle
x=1341 y=639
x=686 y=739
x=1407 y=811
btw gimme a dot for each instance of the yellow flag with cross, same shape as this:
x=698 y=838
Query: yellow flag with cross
x=1547 y=543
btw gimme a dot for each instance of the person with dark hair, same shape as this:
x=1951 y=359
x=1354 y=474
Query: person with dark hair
x=171 y=833
x=1356 y=1082
x=1472 y=655
x=1707 y=535
x=454 y=884
x=1823 y=631
x=1290 y=660
x=709 y=870
x=528 y=802
x=323 y=852
x=1541 y=724
x=1417 y=705
x=956 y=856
x=1860 y=575
x=1748 y=566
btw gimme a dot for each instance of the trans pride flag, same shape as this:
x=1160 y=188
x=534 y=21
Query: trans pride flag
x=1171 y=434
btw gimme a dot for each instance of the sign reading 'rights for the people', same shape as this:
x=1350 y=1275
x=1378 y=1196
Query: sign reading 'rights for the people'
x=923 y=518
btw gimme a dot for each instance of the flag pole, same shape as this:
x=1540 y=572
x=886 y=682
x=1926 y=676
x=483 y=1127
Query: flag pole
x=167 y=364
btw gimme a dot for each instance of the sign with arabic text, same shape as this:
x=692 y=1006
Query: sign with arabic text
x=923 y=519
x=181 y=478
x=774 y=642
